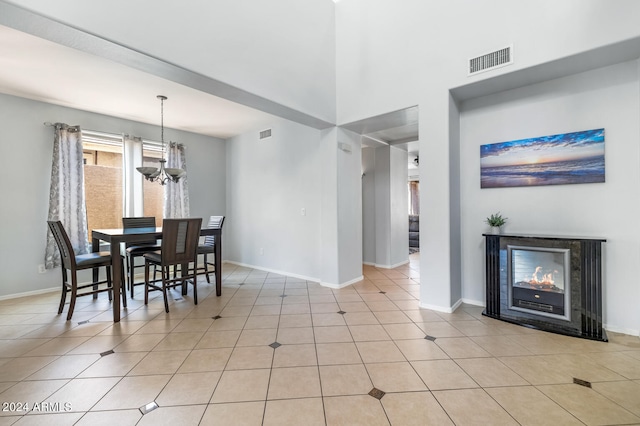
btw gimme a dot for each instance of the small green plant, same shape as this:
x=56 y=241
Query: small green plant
x=496 y=220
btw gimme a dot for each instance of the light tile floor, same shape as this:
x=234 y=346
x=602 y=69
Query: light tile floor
x=279 y=350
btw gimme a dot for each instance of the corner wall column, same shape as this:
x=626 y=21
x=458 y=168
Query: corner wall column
x=341 y=239
x=440 y=244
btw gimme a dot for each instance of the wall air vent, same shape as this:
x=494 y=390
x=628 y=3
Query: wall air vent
x=265 y=134
x=490 y=61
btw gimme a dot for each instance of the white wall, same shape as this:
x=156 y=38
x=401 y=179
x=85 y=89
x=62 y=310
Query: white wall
x=391 y=55
x=454 y=204
x=26 y=146
x=282 y=50
x=269 y=182
x=329 y=222
x=368 y=206
x=607 y=97
x=398 y=202
x=349 y=195
x=385 y=200
x=382 y=206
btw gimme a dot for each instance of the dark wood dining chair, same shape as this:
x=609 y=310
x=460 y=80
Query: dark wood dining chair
x=75 y=263
x=209 y=247
x=179 y=249
x=137 y=249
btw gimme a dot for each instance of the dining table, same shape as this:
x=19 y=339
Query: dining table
x=132 y=235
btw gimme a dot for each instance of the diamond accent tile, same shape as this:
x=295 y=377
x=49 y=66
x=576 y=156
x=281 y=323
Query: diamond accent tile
x=582 y=382
x=255 y=385
x=376 y=393
x=148 y=408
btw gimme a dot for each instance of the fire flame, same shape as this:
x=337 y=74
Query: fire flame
x=538 y=277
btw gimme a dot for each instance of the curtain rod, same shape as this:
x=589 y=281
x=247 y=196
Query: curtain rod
x=62 y=126
x=77 y=127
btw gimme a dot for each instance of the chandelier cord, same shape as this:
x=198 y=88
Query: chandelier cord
x=162 y=99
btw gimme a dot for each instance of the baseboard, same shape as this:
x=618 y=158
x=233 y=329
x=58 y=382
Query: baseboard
x=30 y=293
x=445 y=309
x=473 y=302
x=343 y=285
x=621 y=330
x=274 y=271
x=391 y=266
x=302 y=277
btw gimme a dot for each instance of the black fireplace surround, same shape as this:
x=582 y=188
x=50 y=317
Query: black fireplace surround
x=539 y=306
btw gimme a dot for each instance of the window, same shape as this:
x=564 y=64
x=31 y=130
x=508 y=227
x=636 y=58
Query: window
x=104 y=182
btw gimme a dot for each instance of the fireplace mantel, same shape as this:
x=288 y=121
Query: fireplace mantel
x=584 y=276
x=547 y=237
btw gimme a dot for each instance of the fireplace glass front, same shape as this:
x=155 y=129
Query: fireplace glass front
x=539 y=281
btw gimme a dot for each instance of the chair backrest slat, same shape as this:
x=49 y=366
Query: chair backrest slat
x=67 y=255
x=214 y=222
x=180 y=240
x=139 y=222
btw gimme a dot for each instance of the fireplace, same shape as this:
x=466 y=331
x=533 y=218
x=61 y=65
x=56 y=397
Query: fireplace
x=546 y=282
x=538 y=281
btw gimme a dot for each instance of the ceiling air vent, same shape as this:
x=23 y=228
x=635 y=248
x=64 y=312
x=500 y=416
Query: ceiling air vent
x=265 y=134
x=493 y=60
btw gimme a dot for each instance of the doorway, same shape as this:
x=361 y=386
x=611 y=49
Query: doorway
x=390 y=159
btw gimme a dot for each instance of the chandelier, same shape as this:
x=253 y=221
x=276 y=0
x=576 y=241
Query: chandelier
x=163 y=174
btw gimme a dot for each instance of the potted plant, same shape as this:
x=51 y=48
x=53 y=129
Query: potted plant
x=496 y=221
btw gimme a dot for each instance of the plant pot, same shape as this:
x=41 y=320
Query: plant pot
x=495 y=230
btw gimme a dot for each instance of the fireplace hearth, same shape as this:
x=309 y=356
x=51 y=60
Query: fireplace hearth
x=546 y=282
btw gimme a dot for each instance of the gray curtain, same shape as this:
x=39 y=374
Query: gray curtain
x=66 y=197
x=176 y=195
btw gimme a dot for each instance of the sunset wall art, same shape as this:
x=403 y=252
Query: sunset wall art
x=566 y=158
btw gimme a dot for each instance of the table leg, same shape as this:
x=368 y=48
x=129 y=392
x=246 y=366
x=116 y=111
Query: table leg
x=95 y=247
x=116 y=266
x=218 y=256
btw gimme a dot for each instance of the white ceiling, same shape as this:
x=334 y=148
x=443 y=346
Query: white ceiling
x=35 y=68
x=398 y=128
x=38 y=69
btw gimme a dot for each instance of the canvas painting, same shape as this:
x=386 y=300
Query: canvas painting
x=566 y=158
